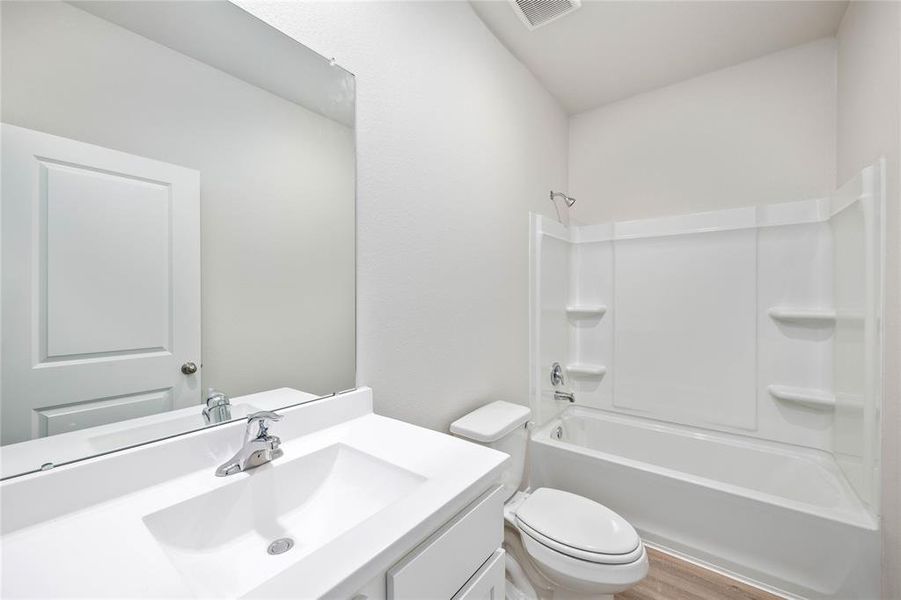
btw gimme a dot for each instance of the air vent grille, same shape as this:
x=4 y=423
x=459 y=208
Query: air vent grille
x=535 y=13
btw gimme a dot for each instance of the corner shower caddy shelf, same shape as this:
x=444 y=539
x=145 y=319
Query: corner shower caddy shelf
x=810 y=398
x=803 y=316
x=586 y=311
x=586 y=370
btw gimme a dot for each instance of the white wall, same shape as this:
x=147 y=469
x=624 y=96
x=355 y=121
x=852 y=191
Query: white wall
x=276 y=183
x=456 y=143
x=869 y=126
x=760 y=132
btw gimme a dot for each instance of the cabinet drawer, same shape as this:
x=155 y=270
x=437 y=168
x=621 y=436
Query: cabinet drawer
x=442 y=564
x=488 y=583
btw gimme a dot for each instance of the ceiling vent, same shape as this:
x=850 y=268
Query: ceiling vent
x=535 y=13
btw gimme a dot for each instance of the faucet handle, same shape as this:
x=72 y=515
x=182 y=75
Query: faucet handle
x=557 y=375
x=262 y=417
x=216 y=398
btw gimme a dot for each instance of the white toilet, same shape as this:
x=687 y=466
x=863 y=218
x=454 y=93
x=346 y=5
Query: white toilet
x=581 y=547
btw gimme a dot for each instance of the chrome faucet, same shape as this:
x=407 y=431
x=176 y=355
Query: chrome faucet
x=568 y=396
x=557 y=381
x=218 y=408
x=257 y=449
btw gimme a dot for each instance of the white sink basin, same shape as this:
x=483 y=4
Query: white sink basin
x=218 y=541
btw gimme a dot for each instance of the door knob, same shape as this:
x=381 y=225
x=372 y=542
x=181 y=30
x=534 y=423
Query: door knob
x=189 y=368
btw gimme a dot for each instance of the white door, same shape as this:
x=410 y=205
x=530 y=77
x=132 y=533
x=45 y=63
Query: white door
x=100 y=285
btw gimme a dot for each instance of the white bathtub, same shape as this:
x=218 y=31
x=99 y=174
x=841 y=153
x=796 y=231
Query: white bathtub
x=782 y=517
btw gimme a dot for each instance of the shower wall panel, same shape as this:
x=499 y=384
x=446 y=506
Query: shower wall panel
x=794 y=272
x=549 y=331
x=684 y=327
x=591 y=334
x=858 y=233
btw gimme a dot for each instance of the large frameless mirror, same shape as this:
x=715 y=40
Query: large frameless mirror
x=177 y=224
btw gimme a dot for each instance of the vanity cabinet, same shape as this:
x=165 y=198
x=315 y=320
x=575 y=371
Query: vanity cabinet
x=463 y=560
x=444 y=564
x=380 y=509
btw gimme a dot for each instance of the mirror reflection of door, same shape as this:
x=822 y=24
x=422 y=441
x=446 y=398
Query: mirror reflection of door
x=171 y=196
x=101 y=287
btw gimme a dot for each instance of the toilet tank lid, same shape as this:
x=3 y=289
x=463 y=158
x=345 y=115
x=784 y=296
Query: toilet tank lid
x=491 y=422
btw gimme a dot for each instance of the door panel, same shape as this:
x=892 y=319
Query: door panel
x=107 y=262
x=51 y=421
x=101 y=285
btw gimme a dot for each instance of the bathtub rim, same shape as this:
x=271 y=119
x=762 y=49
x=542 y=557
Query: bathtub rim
x=862 y=517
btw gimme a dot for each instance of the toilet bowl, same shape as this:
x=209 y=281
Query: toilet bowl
x=581 y=547
x=579 y=544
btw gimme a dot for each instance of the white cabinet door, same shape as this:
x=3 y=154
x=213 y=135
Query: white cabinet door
x=488 y=583
x=443 y=563
x=100 y=285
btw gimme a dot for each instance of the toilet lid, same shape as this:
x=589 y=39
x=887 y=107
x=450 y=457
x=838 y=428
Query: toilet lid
x=577 y=526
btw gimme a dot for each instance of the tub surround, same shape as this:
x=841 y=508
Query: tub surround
x=750 y=335
x=763 y=321
x=93 y=509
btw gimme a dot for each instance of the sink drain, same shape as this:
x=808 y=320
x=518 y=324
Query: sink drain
x=280 y=546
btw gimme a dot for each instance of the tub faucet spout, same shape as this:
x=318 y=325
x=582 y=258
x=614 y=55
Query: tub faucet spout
x=568 y=396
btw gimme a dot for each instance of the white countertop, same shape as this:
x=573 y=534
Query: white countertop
x=64 y=536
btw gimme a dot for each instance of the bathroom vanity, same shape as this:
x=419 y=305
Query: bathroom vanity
x=358 y=506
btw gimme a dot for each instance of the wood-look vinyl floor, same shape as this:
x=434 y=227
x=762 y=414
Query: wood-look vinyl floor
x=670 y=578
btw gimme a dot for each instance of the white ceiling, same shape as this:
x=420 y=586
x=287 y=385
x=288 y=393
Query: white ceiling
x=609 y=50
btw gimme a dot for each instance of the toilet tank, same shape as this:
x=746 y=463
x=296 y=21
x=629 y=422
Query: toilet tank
x=502 y=426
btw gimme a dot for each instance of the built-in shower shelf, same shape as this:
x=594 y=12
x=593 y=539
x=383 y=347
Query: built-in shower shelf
x=810 y=398
x=586 y=311
x=586 y=370
x=803 y=316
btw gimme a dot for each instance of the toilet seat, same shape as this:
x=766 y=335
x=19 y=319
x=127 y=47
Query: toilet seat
x=579 y=544
x=578 y=527
x=594 y=557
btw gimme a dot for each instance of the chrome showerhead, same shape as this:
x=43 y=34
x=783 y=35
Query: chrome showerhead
x=569 y=201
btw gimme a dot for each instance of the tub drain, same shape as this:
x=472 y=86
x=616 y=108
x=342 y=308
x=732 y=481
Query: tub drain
x=280 y=546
